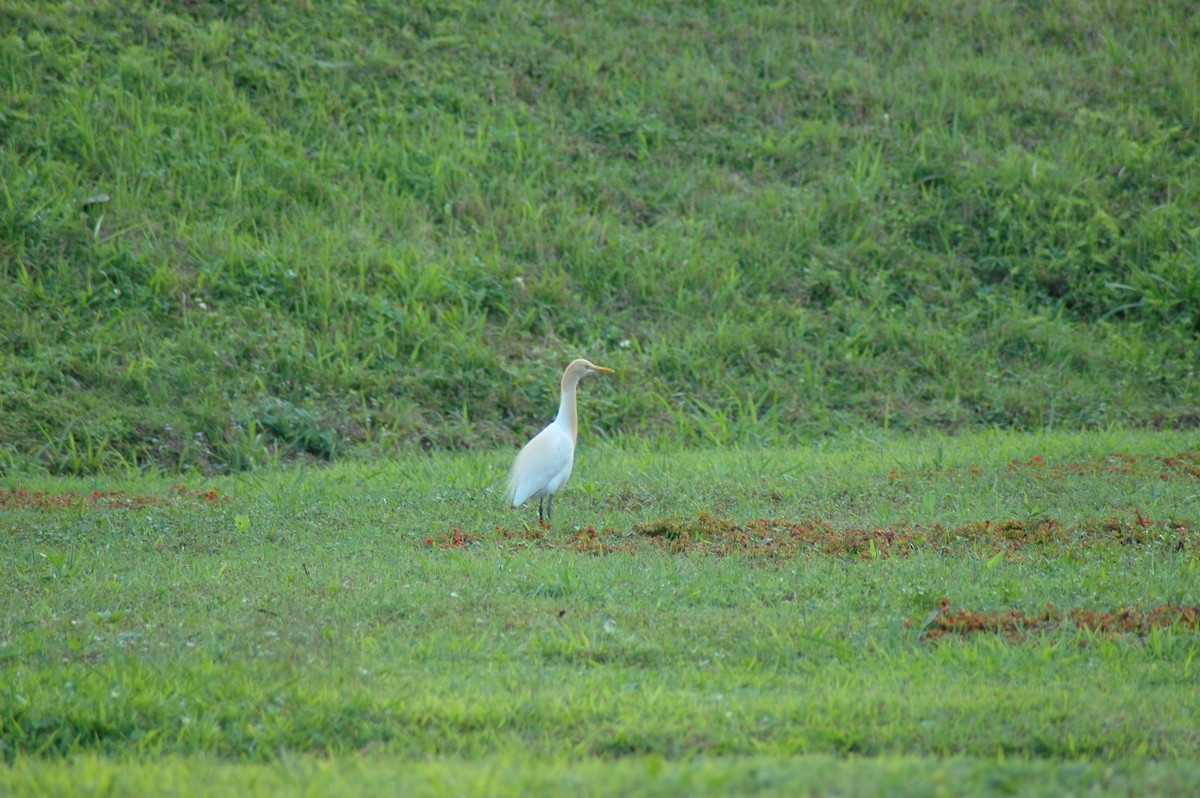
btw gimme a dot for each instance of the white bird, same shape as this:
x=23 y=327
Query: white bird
x=542 y=467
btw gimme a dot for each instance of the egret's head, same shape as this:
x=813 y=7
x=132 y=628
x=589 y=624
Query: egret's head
x=580 y=369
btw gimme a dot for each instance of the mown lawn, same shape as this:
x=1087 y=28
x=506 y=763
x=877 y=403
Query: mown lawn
x=923 y=616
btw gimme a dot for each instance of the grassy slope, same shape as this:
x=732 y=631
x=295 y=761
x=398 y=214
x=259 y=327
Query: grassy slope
x=352 y=226
x=306 y=616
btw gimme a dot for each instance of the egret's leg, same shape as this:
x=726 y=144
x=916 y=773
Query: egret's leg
x=549 y=502
x=539 y=510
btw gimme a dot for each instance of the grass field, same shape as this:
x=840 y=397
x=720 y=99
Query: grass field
x=831 y=619
x=895 y=488
x=238 y=234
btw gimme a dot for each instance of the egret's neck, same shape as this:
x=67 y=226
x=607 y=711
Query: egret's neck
x=566 y=409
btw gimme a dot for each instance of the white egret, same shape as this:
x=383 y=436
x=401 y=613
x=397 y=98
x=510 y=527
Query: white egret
x=542 y=467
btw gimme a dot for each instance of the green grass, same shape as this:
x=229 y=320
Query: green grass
x=232 y=235
x=650 y=776
x=904 y=305
x=296 y=628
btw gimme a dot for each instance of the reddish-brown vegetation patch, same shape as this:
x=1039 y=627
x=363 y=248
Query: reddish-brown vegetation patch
x=1183 y=463
x=1016 y=624
x=778 y=538
x=453 y=539
x=600 y=541
x=25 y=499
x=585 y=541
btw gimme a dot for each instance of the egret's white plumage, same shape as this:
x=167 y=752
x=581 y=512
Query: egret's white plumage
x=542 y=467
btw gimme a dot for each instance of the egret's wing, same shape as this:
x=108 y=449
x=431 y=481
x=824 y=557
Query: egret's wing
x=537 y=465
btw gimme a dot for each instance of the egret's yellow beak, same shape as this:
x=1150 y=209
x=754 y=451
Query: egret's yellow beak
x=606 y=371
